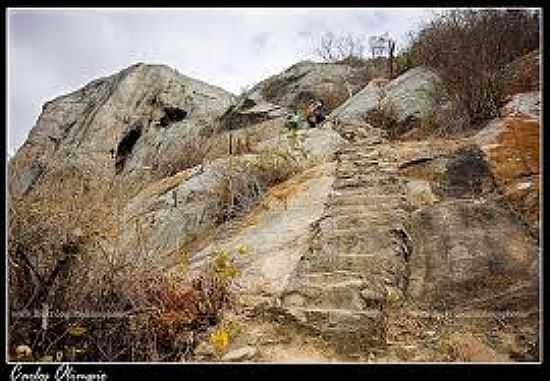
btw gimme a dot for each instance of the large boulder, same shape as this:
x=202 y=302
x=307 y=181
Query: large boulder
x=368 y=99
x=118 y=126
x=411 y=95
x=481 y=259
x=411 y=100
x=331 y=82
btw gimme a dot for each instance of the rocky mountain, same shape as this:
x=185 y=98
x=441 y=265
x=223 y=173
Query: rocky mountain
x=295 y=87
x=117 y=125
x=350 y=243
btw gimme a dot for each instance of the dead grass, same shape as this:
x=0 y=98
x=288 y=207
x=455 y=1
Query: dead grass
x=109 y=304
x=242 y=182
x=191 y=153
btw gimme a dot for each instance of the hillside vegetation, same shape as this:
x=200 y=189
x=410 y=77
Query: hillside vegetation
x=154 y=217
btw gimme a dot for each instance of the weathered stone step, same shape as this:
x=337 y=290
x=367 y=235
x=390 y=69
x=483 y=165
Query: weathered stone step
x=332 y=277
x=342 y=295
x=350 y=331
x=367 y=188
x=360 y=217
x=383 y=264
x=395 y=204
x=362 y=239
x=349 y=245
x=377 y=180
x=353 y=156
x=364 y=199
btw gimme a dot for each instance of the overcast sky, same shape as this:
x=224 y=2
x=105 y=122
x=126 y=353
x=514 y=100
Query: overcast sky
x=55 y=51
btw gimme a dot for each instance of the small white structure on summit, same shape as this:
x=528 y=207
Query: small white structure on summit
x=379 y=45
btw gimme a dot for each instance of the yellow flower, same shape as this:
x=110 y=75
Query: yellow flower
x=76 y=330
x=220 y=340
x=243 y=249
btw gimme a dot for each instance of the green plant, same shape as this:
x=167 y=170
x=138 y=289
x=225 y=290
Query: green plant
x=223 y=266
x=244 y=249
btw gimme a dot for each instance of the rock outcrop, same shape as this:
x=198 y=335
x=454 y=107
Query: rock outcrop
x=368 y=99
x=168 y=213
x=472 y=255
x=118 y=126
x=294 y=88
x=331 y=82
x=511 y=145
x=400 y=105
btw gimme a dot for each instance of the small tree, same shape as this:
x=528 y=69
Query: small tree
x=335 y=48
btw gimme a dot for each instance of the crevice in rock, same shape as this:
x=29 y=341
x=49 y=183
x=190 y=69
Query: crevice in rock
x=126 y=145
x=405 y=242
x=172 y=115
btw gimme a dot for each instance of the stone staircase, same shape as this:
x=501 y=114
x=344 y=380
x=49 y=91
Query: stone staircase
x=357 y=260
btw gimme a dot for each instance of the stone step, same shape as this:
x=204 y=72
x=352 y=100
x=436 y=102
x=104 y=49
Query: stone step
x=387 y=207
x=360 y=218
x=365 y=238
x=332 y=277
x=355 y=155
x=364 y=199
x=350 y=331
x=341 y=295
x=367 y=188
x=378 y=180
x=379 y=264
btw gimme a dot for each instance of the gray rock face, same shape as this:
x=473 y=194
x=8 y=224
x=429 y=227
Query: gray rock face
x=140 y=113
x=405 y=101
x=411 y=95
x=172 y=210
x=314 y=142
x=481 y=258
x=308 y=79
x=367 y=99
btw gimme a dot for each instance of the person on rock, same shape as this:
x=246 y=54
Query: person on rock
x=316 y=113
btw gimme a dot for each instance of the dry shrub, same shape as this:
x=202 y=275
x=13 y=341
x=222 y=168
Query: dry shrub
x=521 y=75
x=241 y=183
x=104 y=304
x=191 y=153
x=128 y=309
x=467 y=47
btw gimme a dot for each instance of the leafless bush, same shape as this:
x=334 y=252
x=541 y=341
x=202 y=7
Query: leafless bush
x=104 y=304
x=242 y=184
x=334 y=48
x=468 y=46
x=191 y=153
